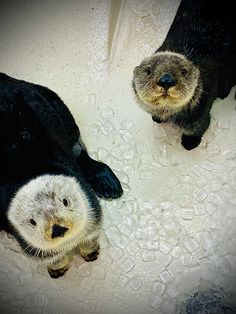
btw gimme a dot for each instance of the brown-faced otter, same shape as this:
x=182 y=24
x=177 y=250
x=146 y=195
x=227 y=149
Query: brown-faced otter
x=195 y=64
x=48 y=181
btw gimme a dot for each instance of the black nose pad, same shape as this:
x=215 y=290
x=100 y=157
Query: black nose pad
x=58 y=231
x=166 y=81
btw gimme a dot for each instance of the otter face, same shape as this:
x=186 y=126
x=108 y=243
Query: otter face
x=166 y=80
x=50 y=212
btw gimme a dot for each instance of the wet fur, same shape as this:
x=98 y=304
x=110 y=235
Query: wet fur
x=203 y=32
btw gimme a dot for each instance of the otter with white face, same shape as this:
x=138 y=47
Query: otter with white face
x=194 y=65
x=49 y=184
x=51 y=215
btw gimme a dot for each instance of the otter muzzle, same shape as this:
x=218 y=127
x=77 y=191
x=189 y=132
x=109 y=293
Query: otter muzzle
x=58 y=231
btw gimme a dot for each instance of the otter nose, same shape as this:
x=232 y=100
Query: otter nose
x=166 y=81
x=58 y=231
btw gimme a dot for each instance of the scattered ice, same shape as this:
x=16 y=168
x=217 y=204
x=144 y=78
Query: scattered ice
x=199 y=209
x=11 y=276
x=187 y=213
x=88 y=284
x=198 y=170
x=107 y=113
x=148 y=255
x=155 y=301
x=199 y=195
x=123 y=177
x=176 y=267
x=102 y=154
x=90 y=306
x=132 y=249
x=159 y=132
x=143 y=147
x=98 y=273
x=231 y=259
x=147 y=158
x=117 y=164
x=186 y=259
x=200 y=253
x=215 y=199
x=172 y=181
x=128 y=134
x=107 y=128
x=5 y=267
x=127 y=124
x=135 y=284
x=91 y=100
x=146 y=172
x=18 y=303
x=127 y=265
x=208 y=165
x=191 y=244
x=230 y=211
x=1 y=249
x=129 y=155
x=165 y=247
x=122 y=281
x=168 y=306
x=212 y=150
x=84 y=270
x=36 y=300
x=229 y=154
x=166 y=276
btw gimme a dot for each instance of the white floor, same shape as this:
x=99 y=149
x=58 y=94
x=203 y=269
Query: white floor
x=173 y=232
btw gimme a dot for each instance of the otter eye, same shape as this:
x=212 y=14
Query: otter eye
x=33 y=222
x=65 y=202
x=184 y=71
x=148 y=70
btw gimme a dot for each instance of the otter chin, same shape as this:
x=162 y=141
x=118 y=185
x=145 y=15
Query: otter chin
x=194 y=65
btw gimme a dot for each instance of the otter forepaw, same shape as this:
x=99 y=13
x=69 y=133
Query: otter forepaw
x=103 y=181
x=157 y=119
x=88 y=255
x=190 y=142
x=91 y=257
x=100 y=177
x=56 y=273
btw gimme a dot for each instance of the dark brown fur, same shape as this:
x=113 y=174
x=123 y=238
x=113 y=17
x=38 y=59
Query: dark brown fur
x=203 y=32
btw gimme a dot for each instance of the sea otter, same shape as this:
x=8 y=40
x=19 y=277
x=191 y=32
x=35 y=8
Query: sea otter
x=48 y=181
x=195 y=65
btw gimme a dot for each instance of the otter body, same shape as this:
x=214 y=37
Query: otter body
x=48 y=184
x=195 y=65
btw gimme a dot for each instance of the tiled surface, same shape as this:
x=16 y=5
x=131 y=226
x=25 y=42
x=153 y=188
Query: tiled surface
x=173 y=231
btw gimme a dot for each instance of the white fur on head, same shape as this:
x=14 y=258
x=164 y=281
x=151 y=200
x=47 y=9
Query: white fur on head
x=48 y=200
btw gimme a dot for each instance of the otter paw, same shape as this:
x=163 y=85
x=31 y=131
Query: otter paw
x=104 y=182
x=91 y=257
x=156 y=119
x=190 y=142
x=56 y=273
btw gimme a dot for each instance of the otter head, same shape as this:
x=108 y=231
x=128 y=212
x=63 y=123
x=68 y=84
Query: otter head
x=50 y=213
x=166 y=80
